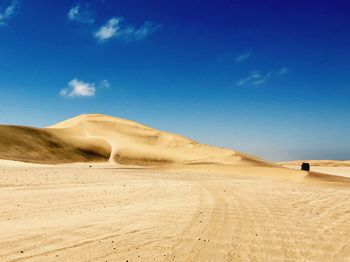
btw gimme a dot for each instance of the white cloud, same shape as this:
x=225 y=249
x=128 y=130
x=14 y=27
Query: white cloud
x=76 y=13
x=114 y=29
x=256 y=78
x=243 y=57
x=77 y=88
x=9 y=12
x=109 y=30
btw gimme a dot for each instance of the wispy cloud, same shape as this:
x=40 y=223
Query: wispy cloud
x=81 y=15
x=283 y=71
x=115 y=29
x=145 y=30
x=105 y=84
x=254 y=77
x=77 y=88
x=243 y=57
x=8 y=12
x=257 y=77
x=109 y=30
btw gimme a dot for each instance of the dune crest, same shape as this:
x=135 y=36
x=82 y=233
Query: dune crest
x=326 y=163
x=101 y=138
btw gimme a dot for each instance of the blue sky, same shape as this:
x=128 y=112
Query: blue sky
x=270 y=78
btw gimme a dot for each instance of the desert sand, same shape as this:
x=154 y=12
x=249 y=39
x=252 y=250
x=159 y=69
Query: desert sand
x=98 y=188
x=335 y=167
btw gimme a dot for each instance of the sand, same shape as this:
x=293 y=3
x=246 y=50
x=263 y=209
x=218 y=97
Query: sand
x=209 y=213
x=318 y=163
x=154 y=196
x=334 y=167
x=338 y=171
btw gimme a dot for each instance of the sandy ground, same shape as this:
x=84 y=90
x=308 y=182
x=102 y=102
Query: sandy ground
x=339 y=171
x=103 y=213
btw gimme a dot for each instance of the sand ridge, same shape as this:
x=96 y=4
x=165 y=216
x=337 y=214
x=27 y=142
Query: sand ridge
x=325 y=163
x=101 y=138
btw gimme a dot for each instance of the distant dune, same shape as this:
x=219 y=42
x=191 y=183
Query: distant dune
x=334 y=167
x=101 y=138
x=328 y=163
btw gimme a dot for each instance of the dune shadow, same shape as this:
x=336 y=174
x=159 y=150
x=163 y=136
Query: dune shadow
x=321 y=177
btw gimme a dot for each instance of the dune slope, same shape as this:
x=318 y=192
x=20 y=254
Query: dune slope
x=36 y=145
x=94 y=138
x=327 y=163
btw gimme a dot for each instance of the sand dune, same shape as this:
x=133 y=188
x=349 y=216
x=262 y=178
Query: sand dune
x=327 y=163
x=333 y=167
x=96 y=138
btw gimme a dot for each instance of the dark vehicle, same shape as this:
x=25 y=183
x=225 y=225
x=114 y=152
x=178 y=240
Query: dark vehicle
x=305 y=166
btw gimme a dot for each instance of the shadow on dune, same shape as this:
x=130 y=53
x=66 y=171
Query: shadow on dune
x=36 y=145
x=320 y=177
x=124 y=157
